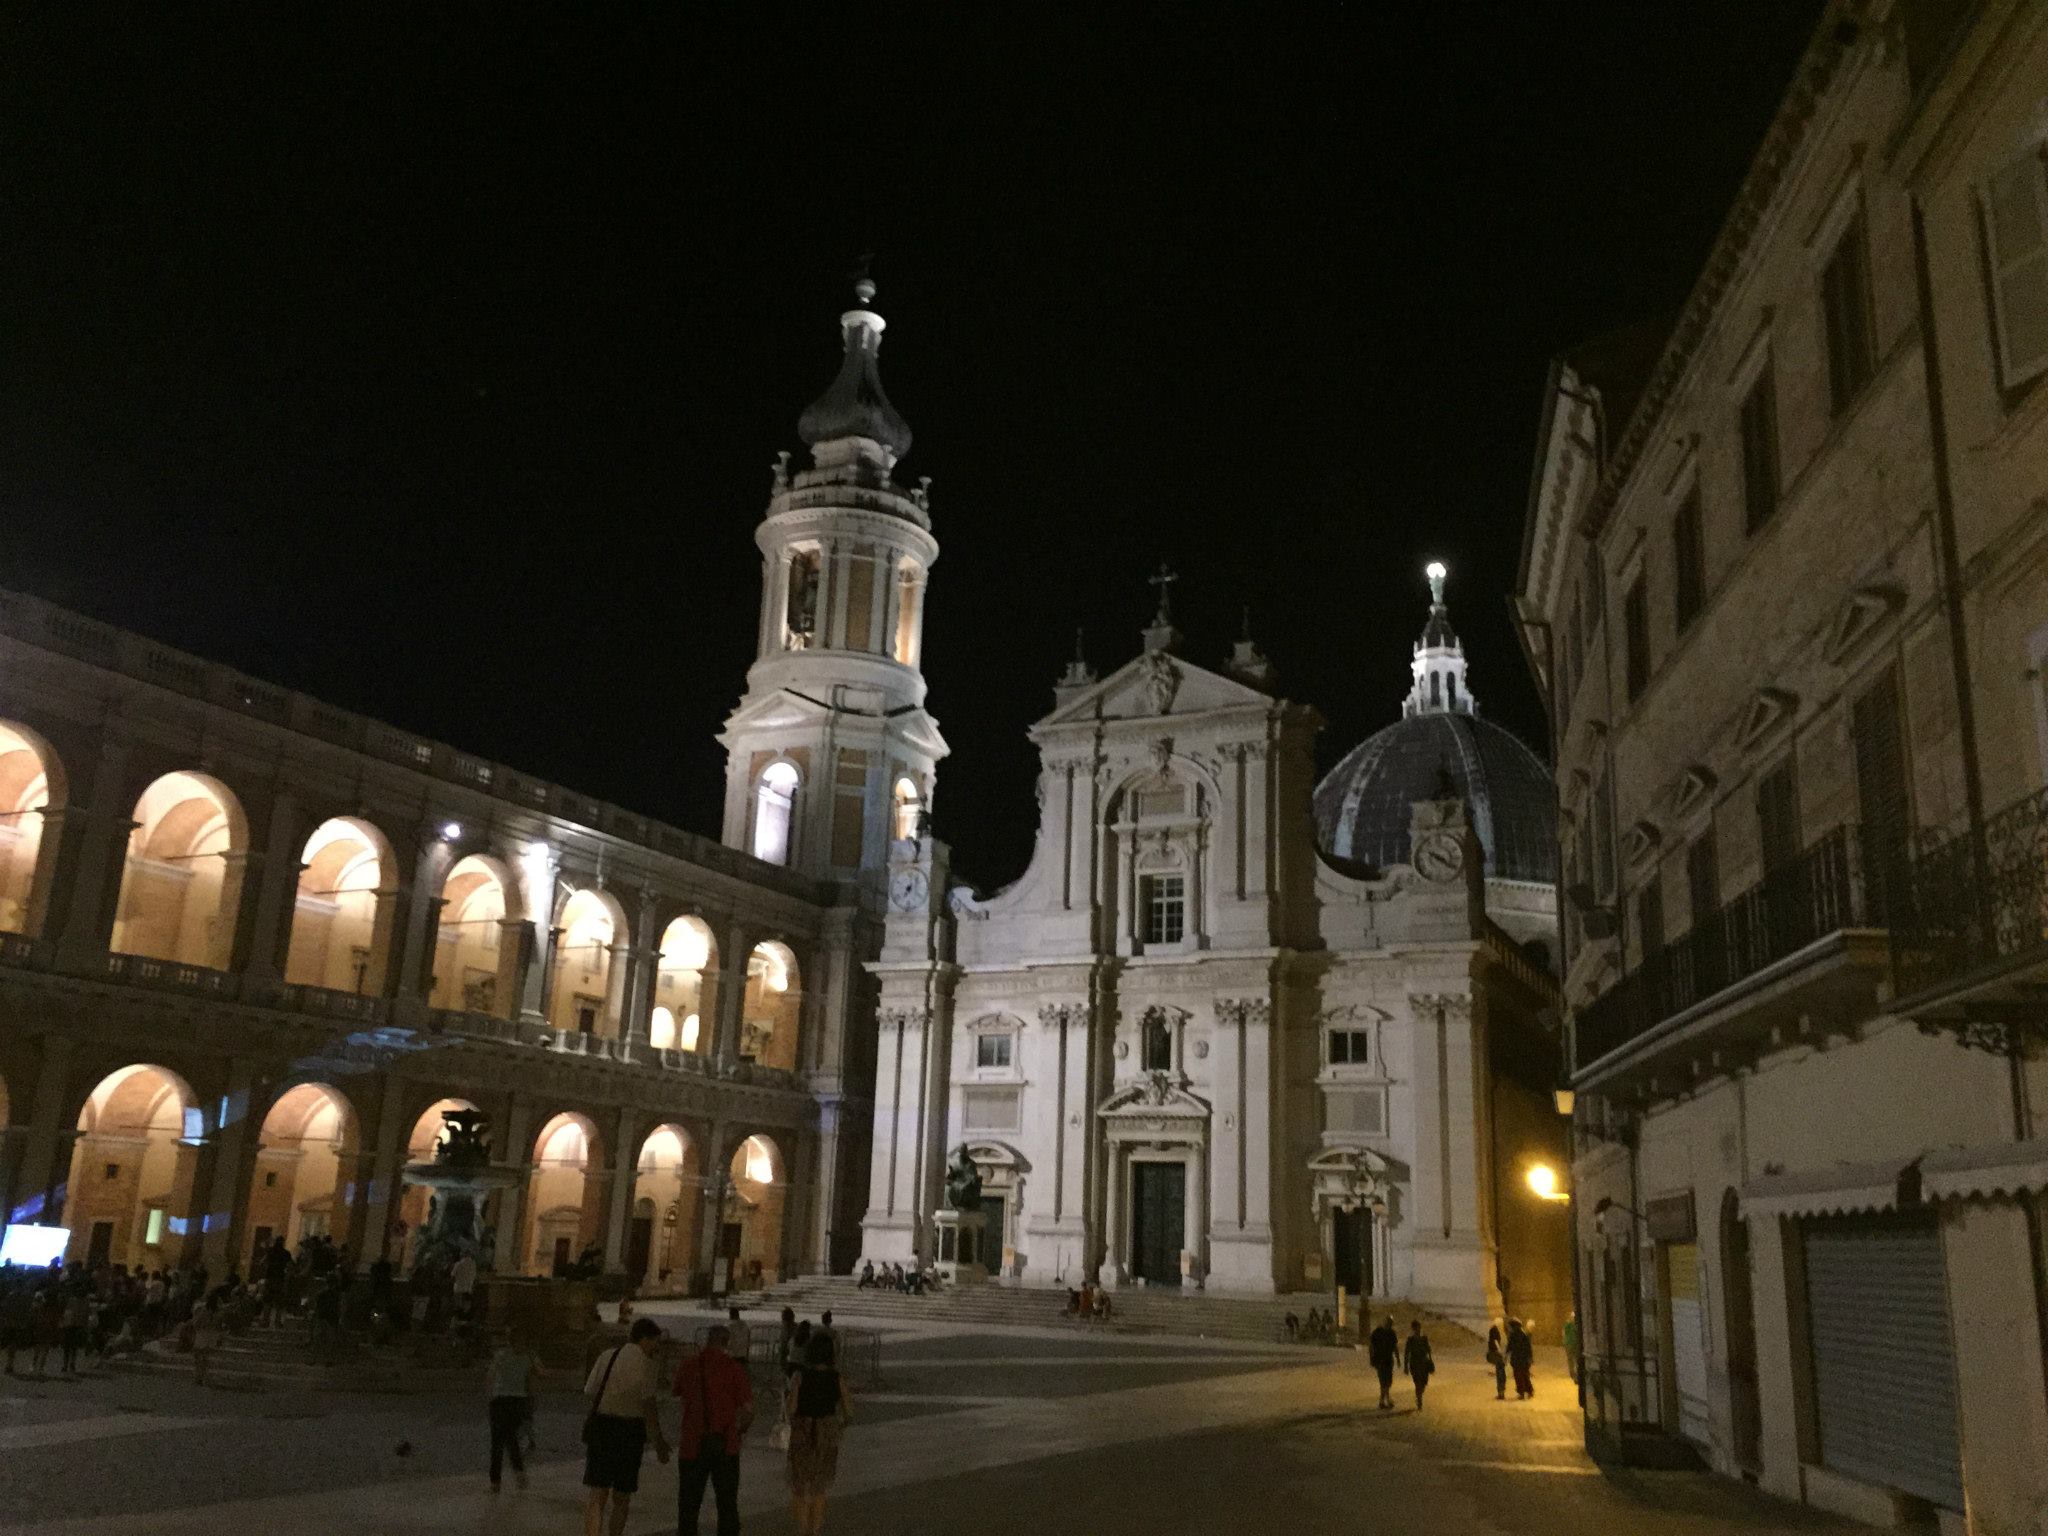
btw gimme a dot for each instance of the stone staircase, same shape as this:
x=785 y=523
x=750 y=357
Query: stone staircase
x=280 y=1358
x=1195 y=1314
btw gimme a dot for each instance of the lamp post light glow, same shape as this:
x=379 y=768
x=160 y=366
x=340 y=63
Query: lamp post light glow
x=450 y=831
x=1543 y=1183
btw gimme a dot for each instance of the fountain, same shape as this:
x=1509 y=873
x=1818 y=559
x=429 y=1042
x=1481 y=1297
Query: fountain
x=460 y=1176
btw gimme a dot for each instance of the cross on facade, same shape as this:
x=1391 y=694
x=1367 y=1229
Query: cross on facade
x=1164 y=579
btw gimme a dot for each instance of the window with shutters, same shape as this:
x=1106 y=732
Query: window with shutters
x=1650 y=917
x=1777 y=816
x=1845 y=317
x=2014 y=207
x=1688 y=562
x=1635 y=623
x=1702 y=878
x=1759 y=431
x=1883 y=804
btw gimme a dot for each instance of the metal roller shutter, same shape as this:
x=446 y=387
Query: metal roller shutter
x=1883 y=1367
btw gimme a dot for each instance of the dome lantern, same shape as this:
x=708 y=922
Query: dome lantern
x=1438 y=671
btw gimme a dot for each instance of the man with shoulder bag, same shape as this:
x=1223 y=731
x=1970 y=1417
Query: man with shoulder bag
x=624 y=1416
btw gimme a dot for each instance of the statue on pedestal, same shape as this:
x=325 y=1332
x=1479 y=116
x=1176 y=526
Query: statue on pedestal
x=963 y=1182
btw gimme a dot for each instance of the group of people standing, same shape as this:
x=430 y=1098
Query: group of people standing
x=715 y=1392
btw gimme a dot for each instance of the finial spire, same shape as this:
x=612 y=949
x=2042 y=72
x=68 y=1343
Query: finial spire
x=1438 y=671
x=1248 y=664
x=1079 y=674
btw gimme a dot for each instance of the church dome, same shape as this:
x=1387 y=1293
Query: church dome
x=1364 y=804
x=855 y=404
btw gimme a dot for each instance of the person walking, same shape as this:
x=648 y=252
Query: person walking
x=624 y=1417
x=514 y=1375
x=740 y=1343
x=207 y=1333
x=1383 y=1348
x=718 y=1410
x=1497 y=1357
x=1521 y=1350
x=1416 y=1359
x=818 y=1410
x=77 y=1316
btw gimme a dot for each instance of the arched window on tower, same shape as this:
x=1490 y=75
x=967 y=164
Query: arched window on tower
x=774 y=802
x=908 y=805
x=909 y=594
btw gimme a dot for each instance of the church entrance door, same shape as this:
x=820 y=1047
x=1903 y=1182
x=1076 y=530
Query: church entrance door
x=1158 y=1221
x=1351 y=1250
x=992 y=1233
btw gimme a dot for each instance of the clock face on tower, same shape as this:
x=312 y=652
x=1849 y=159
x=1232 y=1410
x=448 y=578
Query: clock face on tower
x=908 y=890
x=1439 y=858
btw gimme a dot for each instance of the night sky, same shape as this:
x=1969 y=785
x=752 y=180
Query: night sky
x=431 y=359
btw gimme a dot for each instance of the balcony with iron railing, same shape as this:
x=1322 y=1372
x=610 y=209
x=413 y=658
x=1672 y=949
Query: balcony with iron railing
x=1805 y=939
x=1969 y=920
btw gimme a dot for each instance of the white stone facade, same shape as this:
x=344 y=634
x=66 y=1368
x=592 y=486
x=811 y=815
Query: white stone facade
x=1134 y=1040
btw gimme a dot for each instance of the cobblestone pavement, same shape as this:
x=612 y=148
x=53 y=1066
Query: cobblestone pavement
x=993 y=1431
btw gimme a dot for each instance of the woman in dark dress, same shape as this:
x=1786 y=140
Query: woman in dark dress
x=817 y=1406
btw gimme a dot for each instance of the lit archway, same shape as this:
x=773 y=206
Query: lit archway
x=750 y=1238
x=908 y=805
x=182 y=881
x=132 y=1170
x=305 y=1158
x=774 y=811
x=473 y=939
x=663 y=1227
x=335 y=942
x=420 y=1147
x=564 y=1203
x=774 y=1004
x=582 y=1001
x=25 y=799
x=682 y=984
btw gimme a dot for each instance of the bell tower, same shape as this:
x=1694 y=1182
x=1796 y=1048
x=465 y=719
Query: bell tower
x=830 y=756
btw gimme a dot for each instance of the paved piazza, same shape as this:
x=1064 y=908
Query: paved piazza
x=995 y=1431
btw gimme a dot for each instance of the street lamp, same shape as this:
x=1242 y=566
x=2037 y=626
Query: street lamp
x=1543 y=1182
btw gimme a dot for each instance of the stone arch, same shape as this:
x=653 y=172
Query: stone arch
x=32 y=789
x=661 y=1238
x=130 y=1193
x=906 y=804
x=590 y=935
x=343 y=907
x=752 y=1213
x=476 y=941
x=685 y=980
x=772 y=1013
x=306 y=1155
x=776 y=790
x=564 y=1194
x=181 y=882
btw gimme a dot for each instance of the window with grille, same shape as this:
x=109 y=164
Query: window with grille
x=1759 y=430
x=1689 y=562
x=1350 y=1047
x=1635 y=622
x=992 y=1052
x=1845 y=317
x=1165 y=909
x=2015 y=215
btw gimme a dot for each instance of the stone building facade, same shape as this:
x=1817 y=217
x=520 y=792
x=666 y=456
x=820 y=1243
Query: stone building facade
x=1785 y=586
x=1187 y=1048
x=252 y=946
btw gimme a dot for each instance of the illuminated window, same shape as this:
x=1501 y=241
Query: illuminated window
x=774 y=801
x=688 y=1039
x=907 y=807
x=153 y=1231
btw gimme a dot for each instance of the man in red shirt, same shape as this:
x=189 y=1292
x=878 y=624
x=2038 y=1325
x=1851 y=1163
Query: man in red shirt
x=718 y=1408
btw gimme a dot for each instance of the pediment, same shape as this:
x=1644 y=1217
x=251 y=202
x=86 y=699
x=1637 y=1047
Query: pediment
x=1859 y=619
x=1155 y=685
x=1695 y=787
x=1640 y=841
x=1150 y=1095
x=1766 y=711
x=775 y=711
